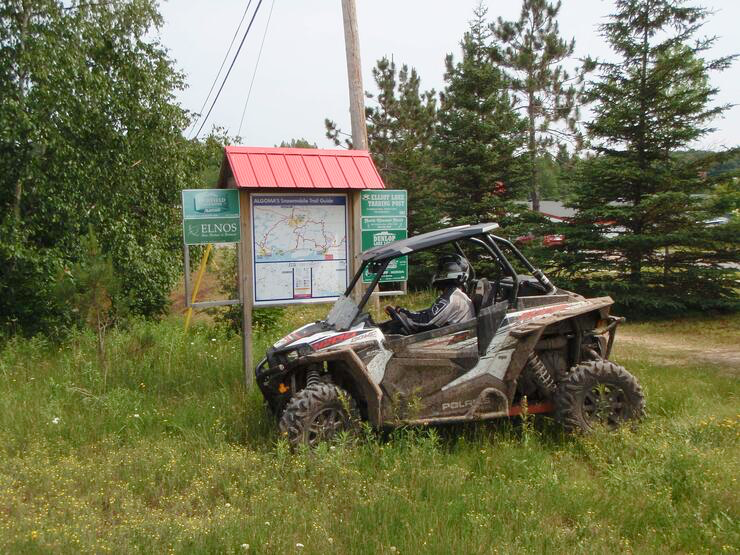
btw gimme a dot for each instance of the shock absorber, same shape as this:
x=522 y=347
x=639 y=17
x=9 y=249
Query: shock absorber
x=312 y=377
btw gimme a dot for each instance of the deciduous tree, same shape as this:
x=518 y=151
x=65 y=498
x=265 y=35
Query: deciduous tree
x=90 y=134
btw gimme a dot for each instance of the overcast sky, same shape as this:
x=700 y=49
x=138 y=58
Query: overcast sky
x=302 y=74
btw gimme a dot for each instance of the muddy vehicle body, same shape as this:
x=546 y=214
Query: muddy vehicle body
x=529 y=345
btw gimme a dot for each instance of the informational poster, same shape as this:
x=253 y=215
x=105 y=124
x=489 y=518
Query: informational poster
x=384 y=220
x=210 y=216
x=299 y=247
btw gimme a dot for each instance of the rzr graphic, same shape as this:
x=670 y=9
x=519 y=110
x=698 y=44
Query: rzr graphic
x=527 y=338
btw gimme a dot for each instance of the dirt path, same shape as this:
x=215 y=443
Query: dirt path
x=676 y=347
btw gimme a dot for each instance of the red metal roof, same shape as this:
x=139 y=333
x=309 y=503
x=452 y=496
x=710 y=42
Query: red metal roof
x=294 y=168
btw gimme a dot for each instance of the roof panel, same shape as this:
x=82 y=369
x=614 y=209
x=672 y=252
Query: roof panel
x=241 y=168
x=262 y=171
x=351 y=175
x=333 y=172
x=298 y=170
x=260 y=167
x=369 y=173
x=316 y=170
x=280 y=170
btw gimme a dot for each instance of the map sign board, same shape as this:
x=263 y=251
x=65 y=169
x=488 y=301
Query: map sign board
x=299 y=246
x=384 y=219
x=210 y=216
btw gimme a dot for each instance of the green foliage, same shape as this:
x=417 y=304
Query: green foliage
x=27 y=277
x=724 y=198
x=89 y=135
x=532 y=50
x=640 y=229
x=401 y=129
x=209 y=155
x=91 y=290
x=478 y=134
x=298 y=143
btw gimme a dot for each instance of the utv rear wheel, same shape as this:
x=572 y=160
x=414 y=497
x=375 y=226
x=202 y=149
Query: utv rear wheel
x=598 y=392
x=318 y=413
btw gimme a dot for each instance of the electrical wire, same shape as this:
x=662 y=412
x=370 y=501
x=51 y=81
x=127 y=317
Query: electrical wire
x=220 y=69
x=228 y=72
x=256 y=65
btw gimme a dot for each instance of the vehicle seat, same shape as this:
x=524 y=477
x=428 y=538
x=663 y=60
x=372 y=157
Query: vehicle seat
x=483 y=296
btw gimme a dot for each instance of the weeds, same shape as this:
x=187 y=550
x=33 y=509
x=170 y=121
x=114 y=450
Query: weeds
x=176 y=455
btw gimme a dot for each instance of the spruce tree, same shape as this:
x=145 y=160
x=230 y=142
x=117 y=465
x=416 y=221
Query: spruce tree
x=532 y=51
x=400 y=127
x=479 y=134
x=641 y=221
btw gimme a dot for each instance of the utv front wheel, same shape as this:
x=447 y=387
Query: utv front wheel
x=317 y=413
x=598 y=392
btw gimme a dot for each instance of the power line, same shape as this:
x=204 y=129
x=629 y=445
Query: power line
x=226 y=77
x=256 y=65
x=223 y=62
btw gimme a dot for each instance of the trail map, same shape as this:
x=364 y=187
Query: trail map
x=299 y=247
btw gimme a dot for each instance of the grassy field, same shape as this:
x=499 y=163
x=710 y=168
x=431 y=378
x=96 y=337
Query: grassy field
x=157 y=447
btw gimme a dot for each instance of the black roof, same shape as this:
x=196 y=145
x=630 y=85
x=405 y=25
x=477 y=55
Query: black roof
x=426 y=241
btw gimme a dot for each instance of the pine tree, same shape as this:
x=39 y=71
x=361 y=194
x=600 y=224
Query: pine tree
x=657 y=253
x=479 y=134
x=400 y=128
x=91 y=289
x=532 y=50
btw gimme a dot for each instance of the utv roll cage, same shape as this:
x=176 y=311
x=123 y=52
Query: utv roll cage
x=376 y=260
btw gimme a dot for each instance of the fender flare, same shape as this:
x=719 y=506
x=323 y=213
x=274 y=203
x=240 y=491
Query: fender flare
x=354 y=367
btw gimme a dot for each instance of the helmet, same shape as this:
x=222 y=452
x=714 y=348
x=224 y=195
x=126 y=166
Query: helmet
x=451 y=268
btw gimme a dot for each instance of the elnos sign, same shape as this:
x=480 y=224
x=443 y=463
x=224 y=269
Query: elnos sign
x=210 y=216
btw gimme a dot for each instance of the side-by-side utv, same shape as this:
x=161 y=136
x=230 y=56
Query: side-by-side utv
x=528 y=340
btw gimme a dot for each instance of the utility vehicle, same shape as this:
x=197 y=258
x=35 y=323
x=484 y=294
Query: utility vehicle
x=530 y=344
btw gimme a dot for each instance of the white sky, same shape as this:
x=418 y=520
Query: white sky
x=302 y=75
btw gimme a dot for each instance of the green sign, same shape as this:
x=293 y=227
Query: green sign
x=382 y=202
x=384 y=220
x=397 y=269
x=210 y=216
x=390 y=222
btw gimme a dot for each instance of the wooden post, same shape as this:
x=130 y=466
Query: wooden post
x=357 y=118
x=354 y=76
x=245 y=284
x=356 y=241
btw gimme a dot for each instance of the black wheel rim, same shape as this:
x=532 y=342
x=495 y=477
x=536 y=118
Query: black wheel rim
x=325 y=425
x=605 y=404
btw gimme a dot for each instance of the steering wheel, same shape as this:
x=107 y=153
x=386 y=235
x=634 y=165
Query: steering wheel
x=397 y=316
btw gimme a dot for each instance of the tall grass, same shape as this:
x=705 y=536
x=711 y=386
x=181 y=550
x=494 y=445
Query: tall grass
x=171 y=453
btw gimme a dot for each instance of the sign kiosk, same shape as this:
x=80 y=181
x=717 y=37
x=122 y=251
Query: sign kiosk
x=299 y=224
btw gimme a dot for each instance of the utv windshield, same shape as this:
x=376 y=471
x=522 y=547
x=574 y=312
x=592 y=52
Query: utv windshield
x=342 y=314
x=345 y=311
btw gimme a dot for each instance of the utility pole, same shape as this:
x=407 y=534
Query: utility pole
x=354 y=76
x=359 y=130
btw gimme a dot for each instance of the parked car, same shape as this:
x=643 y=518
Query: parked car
x=555 y=240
